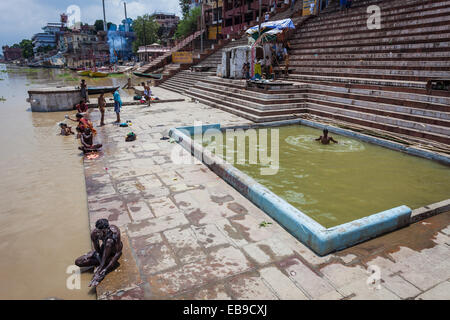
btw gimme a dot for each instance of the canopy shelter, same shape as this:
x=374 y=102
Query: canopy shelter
x=270 y=30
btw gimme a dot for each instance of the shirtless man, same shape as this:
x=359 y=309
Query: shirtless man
x=101 y=107
x=83 y=123
x=105 y=256
x=87 y=142
x=65 y=129
x=325 y=139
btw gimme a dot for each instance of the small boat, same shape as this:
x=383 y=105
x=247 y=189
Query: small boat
x=84 y=73
x=98 y=74
x=98 y=90
x=148 y=75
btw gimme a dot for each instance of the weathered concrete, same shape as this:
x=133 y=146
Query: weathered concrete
x=54 y=99
x=189 y=235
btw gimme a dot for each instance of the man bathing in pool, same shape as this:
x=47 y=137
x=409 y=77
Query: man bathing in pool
x=105 y=256
x=325 y=139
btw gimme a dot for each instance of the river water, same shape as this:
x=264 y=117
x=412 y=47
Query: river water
x=43 y=215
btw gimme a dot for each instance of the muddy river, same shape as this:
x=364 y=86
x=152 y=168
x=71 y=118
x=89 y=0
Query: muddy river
x=43 y=215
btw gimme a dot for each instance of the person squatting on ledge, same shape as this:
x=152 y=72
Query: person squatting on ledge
x=106 y=254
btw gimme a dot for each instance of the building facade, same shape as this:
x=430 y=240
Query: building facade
x=50 y=36
x=85 y=47
x=11 y=54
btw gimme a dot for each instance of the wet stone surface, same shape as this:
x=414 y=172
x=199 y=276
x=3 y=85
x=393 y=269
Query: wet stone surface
x=189 y=235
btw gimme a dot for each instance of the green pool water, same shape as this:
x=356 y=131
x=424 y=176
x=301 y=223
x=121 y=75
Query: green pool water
x=338 y=183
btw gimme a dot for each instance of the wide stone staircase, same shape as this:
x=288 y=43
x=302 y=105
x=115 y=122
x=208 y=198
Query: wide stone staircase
x=186 y=79
x=251 y=103
x=378 y=78
x=347 y=73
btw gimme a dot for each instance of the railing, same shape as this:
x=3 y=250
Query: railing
x=180 y=45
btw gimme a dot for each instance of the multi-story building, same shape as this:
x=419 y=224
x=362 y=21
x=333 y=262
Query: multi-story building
x=168 y=23
x=227 y=17
x=50 y=36
x=166 y=20
x=241 y=14
x=11 y=54
x=85 y=47
x=213 y=13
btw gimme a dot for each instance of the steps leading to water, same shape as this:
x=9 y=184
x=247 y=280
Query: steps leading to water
x=344 y=71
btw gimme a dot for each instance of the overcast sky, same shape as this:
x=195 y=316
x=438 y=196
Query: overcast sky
x=23 y=18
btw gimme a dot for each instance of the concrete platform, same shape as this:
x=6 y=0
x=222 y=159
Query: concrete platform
x=189 y=235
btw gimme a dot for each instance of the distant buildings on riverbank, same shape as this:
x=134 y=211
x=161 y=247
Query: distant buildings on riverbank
x=11 y=53
x=85 y=46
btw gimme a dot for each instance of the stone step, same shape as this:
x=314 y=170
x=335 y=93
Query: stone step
x=389 y=16
x=180 y=83
x=317 y=110
x=373 y=35
x=215 y=83
x=353 y=70
x=243 y=114
x=391 y=40
x=378 y=48
x=386 y=56
x=380 y=95
x=389 y=74
x=364 y=81
x=368 y=63
x=269 y=101
x=172 y=88
x=228 y=84
x=396 y=122
x=392 y=111
x=226 y=101
x=226 y=97
x=388 y=9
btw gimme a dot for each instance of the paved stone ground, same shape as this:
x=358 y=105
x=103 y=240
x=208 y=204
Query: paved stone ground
x=187 y=234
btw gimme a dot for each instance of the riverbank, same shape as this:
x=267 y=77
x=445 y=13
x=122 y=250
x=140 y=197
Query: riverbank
x=189 y=235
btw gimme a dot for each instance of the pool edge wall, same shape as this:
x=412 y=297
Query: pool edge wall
x=321 y=240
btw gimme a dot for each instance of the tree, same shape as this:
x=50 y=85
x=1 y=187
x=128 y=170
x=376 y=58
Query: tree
x=189 y=24
x=98 y=25
x=151 y=31
x=184 y=4
x=45 y=49
x=27 y=48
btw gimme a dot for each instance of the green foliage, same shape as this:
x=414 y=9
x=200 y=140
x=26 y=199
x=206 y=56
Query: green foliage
x=189 y=24
x=27 y=48
x=151 y=31
x=98 y=25
x=45 y=49
x=264 y=224
x=184 y=4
